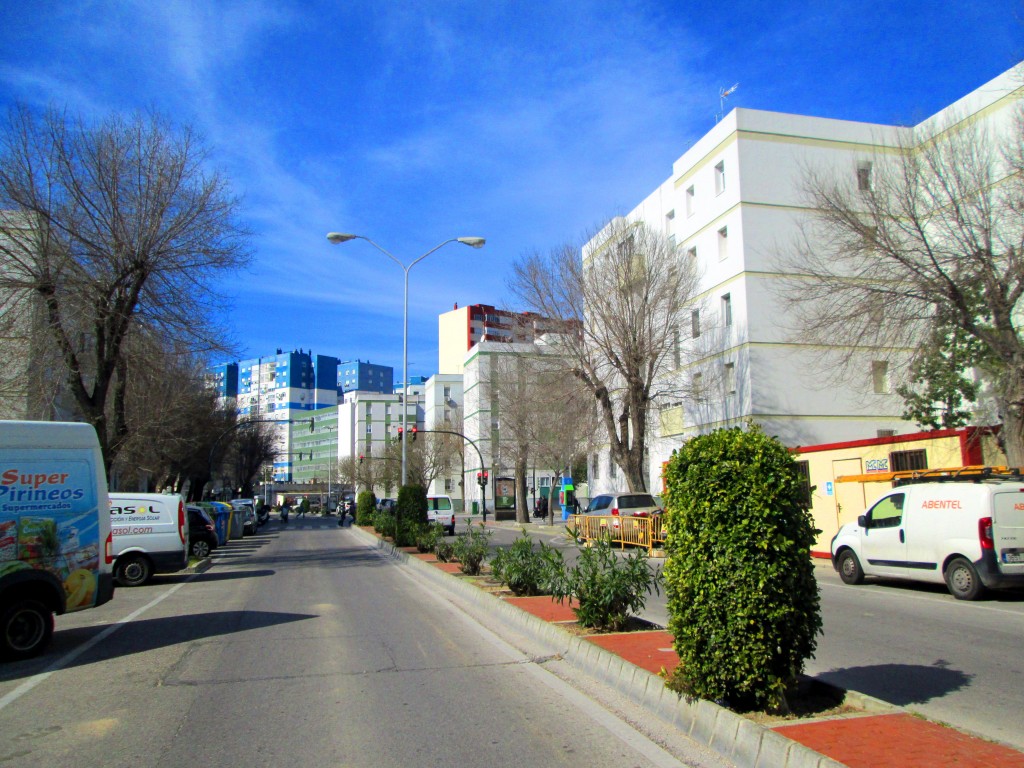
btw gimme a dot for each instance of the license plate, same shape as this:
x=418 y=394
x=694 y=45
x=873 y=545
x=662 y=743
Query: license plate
x=1013 y=557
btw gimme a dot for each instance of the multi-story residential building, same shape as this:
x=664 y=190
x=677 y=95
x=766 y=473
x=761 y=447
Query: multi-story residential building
x=462 y=327
x=369 y=421
x=733 y=200
x=314 y=446
x=442 y=410
x=364 y=376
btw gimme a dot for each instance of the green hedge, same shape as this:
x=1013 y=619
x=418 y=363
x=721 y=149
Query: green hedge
x=366 y=505
x=743 y=601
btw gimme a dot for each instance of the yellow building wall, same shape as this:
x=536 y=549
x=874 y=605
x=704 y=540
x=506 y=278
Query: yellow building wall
x=452 y=334
x=833 y=504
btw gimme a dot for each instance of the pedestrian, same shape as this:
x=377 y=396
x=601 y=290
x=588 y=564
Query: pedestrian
x=303 y=507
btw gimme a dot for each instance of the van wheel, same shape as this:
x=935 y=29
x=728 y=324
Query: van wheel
x=962 y=580
x=201 y=549
x=27 y=628
x=849 y=568
x=133 y=571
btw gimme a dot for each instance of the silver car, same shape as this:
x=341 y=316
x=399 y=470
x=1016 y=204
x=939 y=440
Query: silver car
x=623 y=503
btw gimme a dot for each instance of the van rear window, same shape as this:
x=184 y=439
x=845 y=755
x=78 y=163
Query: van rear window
x=1009 y=509
x=439 y=504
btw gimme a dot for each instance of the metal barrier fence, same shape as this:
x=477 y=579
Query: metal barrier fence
x=624 y=530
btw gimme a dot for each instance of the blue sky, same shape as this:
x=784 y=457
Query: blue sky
x=527 y=123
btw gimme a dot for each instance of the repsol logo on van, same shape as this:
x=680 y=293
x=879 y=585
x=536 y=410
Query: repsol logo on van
x=19 y=485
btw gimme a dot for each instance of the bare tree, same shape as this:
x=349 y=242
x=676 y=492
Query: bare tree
x=113 y=224
x=928 y=235
x=619 y=304
x=512 y=380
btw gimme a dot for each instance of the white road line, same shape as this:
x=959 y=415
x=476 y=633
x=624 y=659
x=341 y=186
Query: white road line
x=69 y=657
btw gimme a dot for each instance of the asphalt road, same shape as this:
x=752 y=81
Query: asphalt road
x=301 y=647
x=913 y=645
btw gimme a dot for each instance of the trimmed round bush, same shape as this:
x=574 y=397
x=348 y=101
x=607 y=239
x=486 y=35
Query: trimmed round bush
x=366 y=505
x=743 y=602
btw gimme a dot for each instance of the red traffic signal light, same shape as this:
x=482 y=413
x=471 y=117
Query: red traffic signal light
x=360 y=458
x=400 y=434
x=414 y=431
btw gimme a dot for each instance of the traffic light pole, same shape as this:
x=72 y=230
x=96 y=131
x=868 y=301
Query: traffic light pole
x=483 y=487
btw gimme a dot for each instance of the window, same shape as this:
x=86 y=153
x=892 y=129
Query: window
x=447 y=415
x=864 y=177
x=695 y=323
x=613 y=470
x=803 y=470
x=676 y=356
x=723 y=243
x=698 y=387
x=594 y=469
x=727 y=310
x=447 y=484
x=692 y=252
x=447 y=393
x=720 y=178
x=880 y=377
x=730 y=378
x=885 y=433
x=669 y=218
x=903 y=461
x=369 y=429
x=887 y=513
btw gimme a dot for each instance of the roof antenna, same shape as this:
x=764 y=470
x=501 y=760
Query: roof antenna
x=723 y=94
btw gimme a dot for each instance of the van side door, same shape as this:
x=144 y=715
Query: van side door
x=883 y=542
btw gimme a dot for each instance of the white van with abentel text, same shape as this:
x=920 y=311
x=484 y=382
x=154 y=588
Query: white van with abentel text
x=968 y=535
x=55 y=540
x=150 y=535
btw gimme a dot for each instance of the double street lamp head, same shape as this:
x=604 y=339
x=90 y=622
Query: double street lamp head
x=344 y=237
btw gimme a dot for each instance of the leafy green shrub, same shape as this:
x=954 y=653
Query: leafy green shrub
x=412 y=503
x=444 y=550
x=366 y=506
x=608 y=588
x=383 y=522
x=525 y=570
x=743 y=602
x=428 y=536
x=470 y=548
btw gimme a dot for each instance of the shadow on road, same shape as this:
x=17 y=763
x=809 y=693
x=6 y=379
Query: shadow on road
x=145 y=635
x=900 y=684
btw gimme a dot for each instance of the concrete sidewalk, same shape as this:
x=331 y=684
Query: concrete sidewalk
x=879 y=735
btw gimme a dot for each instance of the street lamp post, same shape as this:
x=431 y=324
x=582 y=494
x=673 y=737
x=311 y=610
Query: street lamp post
x=473 y=242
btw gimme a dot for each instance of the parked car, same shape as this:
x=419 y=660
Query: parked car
x=441 y=511
x=150 y=535
x=969 y=535
x=386 y=505
x=202 y=533
x=623 y=503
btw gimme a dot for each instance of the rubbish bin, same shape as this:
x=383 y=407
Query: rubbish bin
x=221 y=514
x=476 y=507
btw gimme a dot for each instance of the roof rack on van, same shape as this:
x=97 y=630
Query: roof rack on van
x=969 y=474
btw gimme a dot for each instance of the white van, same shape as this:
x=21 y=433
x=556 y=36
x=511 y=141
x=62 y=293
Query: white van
x=969 y=535
x=150 y=535
x=55 y=539
x=441 y=511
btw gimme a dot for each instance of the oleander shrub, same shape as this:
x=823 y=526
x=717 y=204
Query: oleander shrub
x=742 y=598
x=444 y=550
x=366 y=506
x=525 y=570
x=607 y=587
x=471 y=547
x=428 y=536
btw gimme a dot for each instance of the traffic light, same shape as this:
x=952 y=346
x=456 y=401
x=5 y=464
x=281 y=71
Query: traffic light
x=360 y=458
x=399 y=434
x=481 y=478
x=414 y=431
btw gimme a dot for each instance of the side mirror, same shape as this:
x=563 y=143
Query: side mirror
x=862 y=521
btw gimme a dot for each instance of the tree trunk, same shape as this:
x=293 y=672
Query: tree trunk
x=522 y=503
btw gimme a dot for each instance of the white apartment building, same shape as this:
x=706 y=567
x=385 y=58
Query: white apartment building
x=442 y=410
x=368 y=421
x=733 y=200
x=482 y=421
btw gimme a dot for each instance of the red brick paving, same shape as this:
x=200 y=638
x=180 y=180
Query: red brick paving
x=648 y=650
x=899 y=741
x=546 y=607
x=446 y=567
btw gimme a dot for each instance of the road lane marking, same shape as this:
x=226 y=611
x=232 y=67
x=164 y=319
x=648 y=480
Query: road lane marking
x=70 y=656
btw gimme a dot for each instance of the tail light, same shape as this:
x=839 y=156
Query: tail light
x=210 y=528
x=615 y=510
x=181 y=521
x=108 y=549
x=985 y=533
